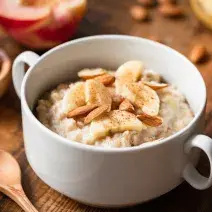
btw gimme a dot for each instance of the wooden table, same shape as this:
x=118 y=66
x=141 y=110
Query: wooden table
x=111 y=17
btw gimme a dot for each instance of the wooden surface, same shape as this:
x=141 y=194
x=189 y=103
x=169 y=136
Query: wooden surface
x=110 y=17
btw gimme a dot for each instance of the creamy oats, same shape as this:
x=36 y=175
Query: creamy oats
x=115 y=109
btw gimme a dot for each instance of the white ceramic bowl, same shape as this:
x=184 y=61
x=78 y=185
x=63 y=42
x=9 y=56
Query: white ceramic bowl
x=111 y=177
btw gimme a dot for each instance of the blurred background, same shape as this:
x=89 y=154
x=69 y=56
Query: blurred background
x=39 y=25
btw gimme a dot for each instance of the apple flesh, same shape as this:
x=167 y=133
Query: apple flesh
x=41 y=24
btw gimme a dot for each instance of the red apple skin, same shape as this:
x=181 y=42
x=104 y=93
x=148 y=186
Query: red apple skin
x=17 y=24
x=47 y=32
x=45 y=38
x=14 y=16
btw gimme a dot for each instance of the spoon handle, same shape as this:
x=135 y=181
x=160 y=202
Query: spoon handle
x=17 y=194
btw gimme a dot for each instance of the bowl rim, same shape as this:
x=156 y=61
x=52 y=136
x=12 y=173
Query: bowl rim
x=98 y=149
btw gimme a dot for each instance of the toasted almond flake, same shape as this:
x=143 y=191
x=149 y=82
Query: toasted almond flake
x=153 y=121
x=155 y=85
x=95 y=113
x=91 y=73
x=126 y=106
x=106 y=79
x=81 y=110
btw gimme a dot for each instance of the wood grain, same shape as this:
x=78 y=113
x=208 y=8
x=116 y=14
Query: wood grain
x=111 y=17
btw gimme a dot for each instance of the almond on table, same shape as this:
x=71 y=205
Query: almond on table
x=147 y=3
x=166 y=1
x=139 y=13
x=170 y=10
x=198 y=53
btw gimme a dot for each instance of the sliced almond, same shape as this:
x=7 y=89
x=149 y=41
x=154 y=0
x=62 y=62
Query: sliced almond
x=153 y=121
x=81 y=110
x=155 y=85
x=97 y=93
x=198 y=53
x=106 y=79
x=91 y=73
x=95 y=113
x=126 y=106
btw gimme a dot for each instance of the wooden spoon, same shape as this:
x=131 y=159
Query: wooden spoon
x=10 y=181
x=5 y=73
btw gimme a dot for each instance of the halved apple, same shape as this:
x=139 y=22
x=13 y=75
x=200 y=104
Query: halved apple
x=14 y=14
x=41 y=24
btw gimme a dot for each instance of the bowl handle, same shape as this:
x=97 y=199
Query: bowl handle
x=18 y=70
x=190 y=174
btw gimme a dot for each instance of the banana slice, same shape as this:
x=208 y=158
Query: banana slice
x=129 y=72
x=113 y=122
x=143 y=97
x=74 y=98
x=97 y=93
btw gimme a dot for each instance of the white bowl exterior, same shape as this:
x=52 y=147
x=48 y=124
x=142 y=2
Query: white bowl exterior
x=107 y=178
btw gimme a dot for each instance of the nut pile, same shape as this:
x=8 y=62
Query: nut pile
x=114 y=102
x=168 y=9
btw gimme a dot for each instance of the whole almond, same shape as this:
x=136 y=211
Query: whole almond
x=147 y=3
x=198 y=53
x=81 y=110
x=126 y=106
x=106 y=79
x=170 y=10
x=153 y=121
x=95 y=113
x=139 y=13
x=166 y=1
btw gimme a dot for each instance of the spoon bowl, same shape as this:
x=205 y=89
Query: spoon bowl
x=10 y=181
x=10 y=173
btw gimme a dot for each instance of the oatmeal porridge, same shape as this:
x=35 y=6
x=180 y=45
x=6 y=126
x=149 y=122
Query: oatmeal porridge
x=123 y=108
